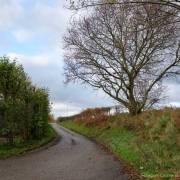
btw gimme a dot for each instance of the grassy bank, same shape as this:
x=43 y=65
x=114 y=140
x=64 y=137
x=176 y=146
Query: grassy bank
x=20 y=146
x=150 y=142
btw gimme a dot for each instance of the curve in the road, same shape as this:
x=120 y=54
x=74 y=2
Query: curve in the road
x=73 y=158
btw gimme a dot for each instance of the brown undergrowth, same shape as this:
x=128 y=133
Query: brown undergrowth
x=52 y=119
x=158 y=135
x=94 y=117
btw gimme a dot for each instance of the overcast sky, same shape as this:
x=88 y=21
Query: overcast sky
x=31 y=31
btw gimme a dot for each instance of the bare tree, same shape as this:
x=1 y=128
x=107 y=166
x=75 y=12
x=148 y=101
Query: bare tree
x=81 y=4
x=126 y=52
x=157 y=95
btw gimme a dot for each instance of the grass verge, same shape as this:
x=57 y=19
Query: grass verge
x=149 y=142
x=20 y=146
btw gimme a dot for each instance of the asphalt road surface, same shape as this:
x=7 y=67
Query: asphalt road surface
x=73 y=158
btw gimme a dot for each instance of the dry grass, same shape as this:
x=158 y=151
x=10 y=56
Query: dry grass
x=52 y=119
x=158 y=132
x=94 y=117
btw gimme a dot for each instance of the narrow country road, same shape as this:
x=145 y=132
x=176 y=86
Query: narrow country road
x=73 y=158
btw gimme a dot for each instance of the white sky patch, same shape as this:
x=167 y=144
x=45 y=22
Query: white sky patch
x=39 y=60
x=49 y=19
x=62 y=109
x=175 y=104
x=59 y=106
x=173 y=93
x=10 y=13
x=23 y=35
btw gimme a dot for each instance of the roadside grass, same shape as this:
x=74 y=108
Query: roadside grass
x=21 y=146
x=150 y=141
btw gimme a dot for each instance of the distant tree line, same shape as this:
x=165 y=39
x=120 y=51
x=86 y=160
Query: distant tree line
x=92 y=112
x=24 y=108
x=67 y=118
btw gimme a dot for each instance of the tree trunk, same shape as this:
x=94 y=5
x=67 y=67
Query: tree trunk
x=134 y=108
x=10 y=138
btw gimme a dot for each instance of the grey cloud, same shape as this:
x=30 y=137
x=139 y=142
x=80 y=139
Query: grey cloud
x=45 y=68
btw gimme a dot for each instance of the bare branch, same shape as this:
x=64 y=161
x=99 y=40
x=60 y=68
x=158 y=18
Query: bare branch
x=84 y=4
x=115 y=48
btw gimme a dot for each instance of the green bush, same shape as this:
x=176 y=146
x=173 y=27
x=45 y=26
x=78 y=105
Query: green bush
x=24 y=108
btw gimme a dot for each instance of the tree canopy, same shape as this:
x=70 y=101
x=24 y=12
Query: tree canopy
x=81 y=4
x=125 y=51
x=24 y=108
